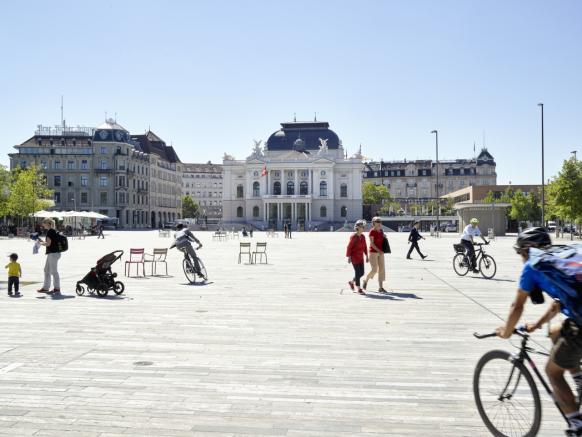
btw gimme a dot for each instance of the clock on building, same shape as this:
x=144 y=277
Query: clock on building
x=103 y=134
x=119 y=135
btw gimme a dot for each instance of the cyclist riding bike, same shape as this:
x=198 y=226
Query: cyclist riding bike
x=182 y=240
x=472 y=230
x=566 y=337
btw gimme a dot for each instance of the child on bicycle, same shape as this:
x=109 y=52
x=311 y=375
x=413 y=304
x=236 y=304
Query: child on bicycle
x=182 y=240
x=567 y=337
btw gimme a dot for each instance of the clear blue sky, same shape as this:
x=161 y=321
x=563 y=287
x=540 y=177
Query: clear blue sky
x=211 y=76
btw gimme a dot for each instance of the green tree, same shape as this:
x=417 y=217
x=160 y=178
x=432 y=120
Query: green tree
x=190 y=207
x=28 y=192
x=565 y=192
x=4 y=190
x=524 y=207
x=375 y=194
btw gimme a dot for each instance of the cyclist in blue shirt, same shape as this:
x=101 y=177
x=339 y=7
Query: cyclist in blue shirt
x=567 y=337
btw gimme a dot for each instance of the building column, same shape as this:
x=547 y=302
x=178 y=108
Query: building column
x=296 y=181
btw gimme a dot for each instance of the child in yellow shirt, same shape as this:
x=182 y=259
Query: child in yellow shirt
x=14 y=274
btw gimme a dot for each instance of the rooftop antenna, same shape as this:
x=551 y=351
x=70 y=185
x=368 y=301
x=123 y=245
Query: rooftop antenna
x=315 y=118
x=105 y=116
x=62 y=116
x=474 y=152
x=115 y=117
x=294 y=116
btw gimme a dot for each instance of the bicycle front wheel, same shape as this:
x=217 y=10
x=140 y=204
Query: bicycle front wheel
x=460 y=264
x=189 y=271
x=487 y=266
x=506 y=395
x=203 y=272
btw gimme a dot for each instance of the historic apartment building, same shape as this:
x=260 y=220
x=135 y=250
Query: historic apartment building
x=301 y=177
x=103 y=169
x=203 y=182
x=415 y=181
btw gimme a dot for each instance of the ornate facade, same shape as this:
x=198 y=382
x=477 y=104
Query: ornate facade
x=301 y=177
x=105 y=169
x=416 y=180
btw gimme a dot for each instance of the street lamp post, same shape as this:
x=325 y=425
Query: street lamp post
x=437 y=180
x=541 y=105
x=574 y=152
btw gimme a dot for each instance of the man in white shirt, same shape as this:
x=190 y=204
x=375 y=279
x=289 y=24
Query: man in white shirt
x=472 y=230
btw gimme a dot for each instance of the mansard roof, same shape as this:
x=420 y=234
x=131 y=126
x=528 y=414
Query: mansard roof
x=151 y=143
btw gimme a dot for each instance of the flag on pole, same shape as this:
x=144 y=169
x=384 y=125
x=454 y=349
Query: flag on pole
x=264 y=172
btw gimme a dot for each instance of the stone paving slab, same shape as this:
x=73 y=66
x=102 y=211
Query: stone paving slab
x=283 y=349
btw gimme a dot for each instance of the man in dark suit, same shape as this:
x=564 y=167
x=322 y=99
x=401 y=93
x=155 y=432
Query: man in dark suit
x=413 y=239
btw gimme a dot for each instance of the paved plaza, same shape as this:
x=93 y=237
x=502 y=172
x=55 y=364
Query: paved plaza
x=284 y=349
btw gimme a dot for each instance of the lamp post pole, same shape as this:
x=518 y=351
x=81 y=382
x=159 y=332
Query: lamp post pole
x=541 y=105
x=437 y=180
x=574 y=152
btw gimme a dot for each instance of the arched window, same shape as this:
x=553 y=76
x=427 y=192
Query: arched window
x=323 y=189
x=323 y=211
x=239 y=192
x=256 y=189
x=255 y=211
x=277 y=188
x=344 y=190
x=303 y=188
x=239 y=211
x=290 y=187
x=344 y=212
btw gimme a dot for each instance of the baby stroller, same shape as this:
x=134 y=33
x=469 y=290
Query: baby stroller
x=101 y=279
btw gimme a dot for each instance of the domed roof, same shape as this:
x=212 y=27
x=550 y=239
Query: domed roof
x=303 y=136
x=111 y=124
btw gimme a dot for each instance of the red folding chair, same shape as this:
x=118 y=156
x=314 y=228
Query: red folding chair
x=136 y=256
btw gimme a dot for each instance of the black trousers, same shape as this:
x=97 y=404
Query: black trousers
x=414 y=245
x=358 y=272
x=13 y=281
x=470 y=252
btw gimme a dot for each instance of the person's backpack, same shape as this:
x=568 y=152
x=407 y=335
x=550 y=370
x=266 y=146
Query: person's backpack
x=562 y=265
x=62 y=244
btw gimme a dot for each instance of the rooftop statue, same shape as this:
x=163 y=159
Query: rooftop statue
x=227 y=157
x=257 y=149
x=323 y=146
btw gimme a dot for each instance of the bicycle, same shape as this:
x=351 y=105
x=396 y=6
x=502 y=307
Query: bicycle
x=461 y=262
x=505 y=390
x=189 y=269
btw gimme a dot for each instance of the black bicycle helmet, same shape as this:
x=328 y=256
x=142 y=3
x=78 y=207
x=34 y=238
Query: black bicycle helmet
x=533 y=237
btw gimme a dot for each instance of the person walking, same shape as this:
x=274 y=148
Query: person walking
x=376 y=254
x=289 y=230
x=14 y=274
x=52 y=258
x=286 y=230
x=413 y=239
x=355 y=252
x=100 y=230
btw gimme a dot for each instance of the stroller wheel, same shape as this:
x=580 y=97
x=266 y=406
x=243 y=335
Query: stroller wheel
x=80 y=290
x=118 y=287
x=102 y=292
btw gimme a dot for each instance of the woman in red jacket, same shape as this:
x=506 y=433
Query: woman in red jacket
x=356 y=251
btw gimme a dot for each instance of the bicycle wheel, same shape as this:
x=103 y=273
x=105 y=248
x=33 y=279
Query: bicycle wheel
x=506 y=395
x=460 y=264
x=487 y=266
x=189 y=271
x=203 y=270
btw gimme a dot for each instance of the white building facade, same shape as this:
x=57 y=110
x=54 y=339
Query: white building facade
x=301 y=177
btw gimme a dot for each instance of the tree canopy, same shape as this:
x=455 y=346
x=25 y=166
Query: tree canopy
x=375 y=194
x=190 y=207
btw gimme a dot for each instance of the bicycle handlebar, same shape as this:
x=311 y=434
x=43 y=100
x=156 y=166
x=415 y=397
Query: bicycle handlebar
x=519 y=331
